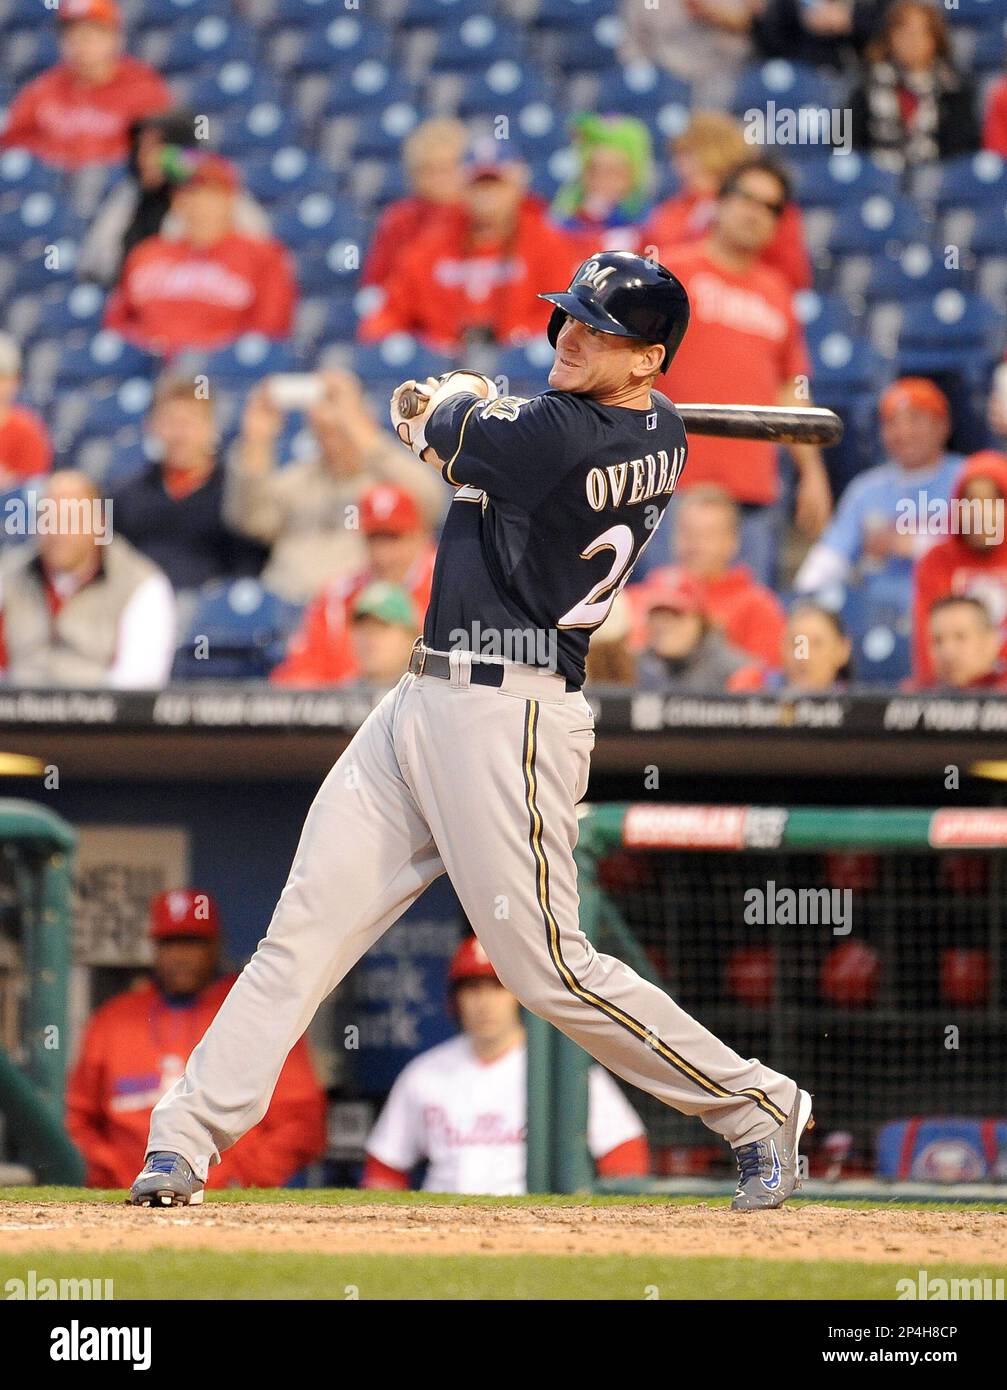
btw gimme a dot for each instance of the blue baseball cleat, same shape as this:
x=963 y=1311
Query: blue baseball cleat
x=167 y=1180
x=768 y=1168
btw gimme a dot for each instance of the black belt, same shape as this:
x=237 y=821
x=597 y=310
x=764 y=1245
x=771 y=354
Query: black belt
x=424 y=662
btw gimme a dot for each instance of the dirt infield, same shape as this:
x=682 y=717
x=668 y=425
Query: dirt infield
x=809 y=1232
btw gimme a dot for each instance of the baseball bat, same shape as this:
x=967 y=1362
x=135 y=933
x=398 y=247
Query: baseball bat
x=779 y=424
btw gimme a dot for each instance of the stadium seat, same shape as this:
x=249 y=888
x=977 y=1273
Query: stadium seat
x=40 y=214
x=79 y=308
x=989 y=233
x=21 y=173
x=880 y=632
x=973 y=12
x=325 y=319
x=263 y=128
x=123 y=408
x=842 y=362
x=973 y=179
x=951 y=321
x=872 y=226
x=28 y=52
x=36 y=273
x=641 y=89
x=236 y=85
x=244 y=628
x=478 y=40
x=287 y=173
x=525 y=370
x=915 y=271
x=990 y=52
x=167 y=13
x=788 y=85
x=316 y=219
x=250 y=357
x=396 y=358
x=416 y=14
x=838 y=179
x=821 y=314
x=540 y=131
x=338 y=37
x=370 y=85
x=380 y=133
x=106 y=354
x=211 y=41
x=503 y=88
x=585 y=48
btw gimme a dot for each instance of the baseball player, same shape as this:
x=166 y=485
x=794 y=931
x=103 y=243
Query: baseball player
x=462 y=1105
x=474 y=763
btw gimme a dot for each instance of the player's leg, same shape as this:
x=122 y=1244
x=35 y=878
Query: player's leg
x=364 y=855
x=497 y=783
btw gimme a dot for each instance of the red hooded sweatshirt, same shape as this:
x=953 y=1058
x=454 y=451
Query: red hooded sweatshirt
x=954 y=567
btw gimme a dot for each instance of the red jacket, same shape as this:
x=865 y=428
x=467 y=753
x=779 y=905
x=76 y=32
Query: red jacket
x=749 y=615
x=440 y=287
x=320 y=651
x=134 y=1048
x=25 y=446
x=686 y=217
x=399 y=226
x=995 y=126
x=69 y=123
x=173 y=296
x=954 y=567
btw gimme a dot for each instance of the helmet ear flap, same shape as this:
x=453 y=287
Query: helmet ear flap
x=556 y=321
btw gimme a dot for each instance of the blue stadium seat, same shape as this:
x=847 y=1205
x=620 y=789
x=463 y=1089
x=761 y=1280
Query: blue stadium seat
x=22 y=173
x=127 y=458
x=105 y=355
x=435 y=13
x=842 y=363
x=503 y=88
x=368 y=86
x=972 y=179
x=330 y=266
x=123 y=408
x=161 y=14
x=379 y=133
x=880 y=632
x=79 y=308
x=989 y=235
x=870 y=227
x=973 y=12
x=479 y=39
x=525 y=369
x=592 y=47
x=340 y=37
x=210 y=42
x=315 y=219
x=789 y=85
x=244 y=628
x=396 y=358
x=263 y=128
x=249 y=358
x=990 y=52
x=571 y=14
x=235 y=84
x=29 y=51
x=539 y=131
x=821 y=314
x=953 y=321
x=390 y=183
x=41 y=214
x=840 y=178
x=303 y=12
x=326 y=319
x=641 y=89
x=287 y=173
x=35 y=273
x=916 y=271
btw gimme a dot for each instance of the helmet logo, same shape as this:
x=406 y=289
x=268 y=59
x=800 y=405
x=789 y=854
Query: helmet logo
x=595 y=275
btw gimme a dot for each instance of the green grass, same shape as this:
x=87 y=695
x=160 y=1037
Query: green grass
x=337 y=1197
x=174 y=1274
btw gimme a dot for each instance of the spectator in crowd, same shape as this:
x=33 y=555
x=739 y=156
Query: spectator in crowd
x=384 y=625
x=80 y=111
x=880 y=528
x=814 y=653
x=462 y=1106
x=611 y=659
x=81 y=607
x=210 y=283
x=972 y=560
x=745 y=344
x=139 y=205
x=913 y=106
x=475 y=280
x=135 y=1048
x=964 y=644
x=684 y=652
x=711 y=146
x=433 y=156
x=25 y=447
x=400 y=551
x=306 y=511
x=822 y=33
x=171 y=511
x=995 y=123
x=707 y=532
x=604 y=205
x=704 y=42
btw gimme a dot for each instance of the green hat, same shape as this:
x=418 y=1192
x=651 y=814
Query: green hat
x=387 y=602
x=623 y=133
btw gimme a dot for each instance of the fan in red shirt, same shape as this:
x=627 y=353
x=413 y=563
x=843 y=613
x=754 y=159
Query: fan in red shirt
x=711 y=146
x=432 y=157
x=80 y=111
x=995 y=125
x=25 y=448
x=210 y=285
x=963 y=644
x=135 y=1048
x=400 y=551
x=744 y=344
x=477 y=278
x=972 y=562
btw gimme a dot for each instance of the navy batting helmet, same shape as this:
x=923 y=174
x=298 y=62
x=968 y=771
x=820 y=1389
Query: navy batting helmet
x=628 y=295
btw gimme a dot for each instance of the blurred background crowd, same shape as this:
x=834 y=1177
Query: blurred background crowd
x=229 y=227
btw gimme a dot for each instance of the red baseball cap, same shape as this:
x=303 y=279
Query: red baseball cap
x=97 y=11
x=202 y=167
x=470 y=962
x=184 y=912
x=675 y=588
x=914 y=393
x=390 y=511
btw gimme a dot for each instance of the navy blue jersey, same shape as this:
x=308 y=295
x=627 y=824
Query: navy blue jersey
x=556 y=498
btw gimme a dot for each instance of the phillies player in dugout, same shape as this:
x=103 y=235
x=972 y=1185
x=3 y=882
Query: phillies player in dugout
x=462 y=1106
x=135 y=1047
x=473 y=765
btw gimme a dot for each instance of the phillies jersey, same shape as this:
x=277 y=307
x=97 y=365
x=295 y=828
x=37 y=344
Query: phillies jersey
x=556 y=498
x=468 y=1119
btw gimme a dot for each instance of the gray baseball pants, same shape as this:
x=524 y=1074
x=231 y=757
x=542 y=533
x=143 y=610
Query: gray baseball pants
x=481 y=783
